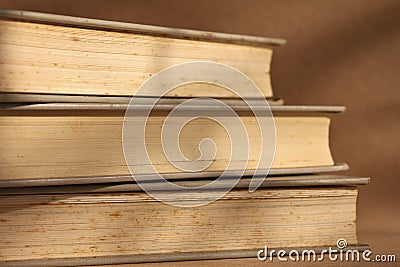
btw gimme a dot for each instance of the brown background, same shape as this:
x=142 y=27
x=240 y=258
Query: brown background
x=338 y=53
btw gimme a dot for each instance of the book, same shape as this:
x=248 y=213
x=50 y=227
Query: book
x=54 y=54
x=66 y=140
x=118 y=222
x=67 y=196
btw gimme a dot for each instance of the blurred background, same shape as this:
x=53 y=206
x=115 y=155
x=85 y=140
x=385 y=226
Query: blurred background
x=338 y=52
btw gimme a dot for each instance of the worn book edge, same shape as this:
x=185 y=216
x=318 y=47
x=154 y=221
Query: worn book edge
x=187 y=256
x=184 y=175
x=97 y=24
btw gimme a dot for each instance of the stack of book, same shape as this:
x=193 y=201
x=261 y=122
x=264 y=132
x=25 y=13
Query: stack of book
x=68 y=196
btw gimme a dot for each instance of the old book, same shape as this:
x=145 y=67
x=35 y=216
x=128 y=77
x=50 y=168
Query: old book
x=83 y=140
x=109 y=224
x=53 y=54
